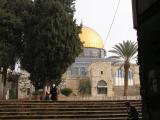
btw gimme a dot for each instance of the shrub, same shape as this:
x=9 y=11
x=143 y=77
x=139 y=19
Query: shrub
x=66 y=91
x=37 y=92
x=85 y=87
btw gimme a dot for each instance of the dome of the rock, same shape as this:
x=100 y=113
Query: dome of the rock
x=90 y=38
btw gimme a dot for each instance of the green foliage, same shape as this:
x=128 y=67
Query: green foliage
x=37 y=92
x=124 y=52
x=12 y=94
x=66 y=91
x=43 y=34
x=85 y=87
x=11 y=35
x=51 y=40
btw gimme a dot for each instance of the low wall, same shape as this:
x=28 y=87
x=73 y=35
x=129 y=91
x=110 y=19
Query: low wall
x=89 y=98
x=132 y=90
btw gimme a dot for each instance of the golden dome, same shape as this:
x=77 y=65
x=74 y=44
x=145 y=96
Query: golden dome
x=90 y=38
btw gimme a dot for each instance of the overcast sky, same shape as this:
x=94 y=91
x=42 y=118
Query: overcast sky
x=98 y=14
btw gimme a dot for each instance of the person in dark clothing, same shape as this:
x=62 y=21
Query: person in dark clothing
x=54 y=92
x=47 y=96
x=132 y=112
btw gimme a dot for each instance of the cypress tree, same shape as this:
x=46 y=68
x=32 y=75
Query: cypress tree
x=11 y=27
x=51 y=41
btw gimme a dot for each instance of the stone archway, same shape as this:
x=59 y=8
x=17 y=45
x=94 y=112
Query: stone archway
x=102 y=87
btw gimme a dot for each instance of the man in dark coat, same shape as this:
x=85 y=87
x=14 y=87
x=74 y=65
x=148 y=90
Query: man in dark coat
x=132 y=112
x=54 y=92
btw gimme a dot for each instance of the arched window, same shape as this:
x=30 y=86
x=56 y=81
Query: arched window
x=119 y=77
x=102 y=87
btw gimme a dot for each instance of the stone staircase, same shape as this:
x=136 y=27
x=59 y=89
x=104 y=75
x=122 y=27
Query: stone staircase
x=65 y=110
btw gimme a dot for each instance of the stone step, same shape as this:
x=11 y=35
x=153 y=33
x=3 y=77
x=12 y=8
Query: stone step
x=69 y=117
x=122 y=112
x=75 y=103
x=63 y=116
x=60 y=102
x=49 y=101
x=62 y=106
x=67 y=113
x=120 y=118
x=63 y=110
x=95 y=118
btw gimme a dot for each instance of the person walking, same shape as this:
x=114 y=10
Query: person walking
x=47 y=94
x=132 y=112
x=54 y=92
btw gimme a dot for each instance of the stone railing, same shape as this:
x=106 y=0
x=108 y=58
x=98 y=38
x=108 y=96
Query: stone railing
x=89 y=98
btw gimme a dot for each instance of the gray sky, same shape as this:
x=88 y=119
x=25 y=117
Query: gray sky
x=98 y=14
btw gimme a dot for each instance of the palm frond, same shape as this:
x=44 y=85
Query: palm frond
x=114 y=57
x=125 y=50
x=117 y=62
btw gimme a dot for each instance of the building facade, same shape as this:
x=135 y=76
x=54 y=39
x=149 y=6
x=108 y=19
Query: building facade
x=106 y=79
x=92 y=74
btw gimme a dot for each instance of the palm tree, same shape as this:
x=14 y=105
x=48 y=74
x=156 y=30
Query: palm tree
x=124 y=53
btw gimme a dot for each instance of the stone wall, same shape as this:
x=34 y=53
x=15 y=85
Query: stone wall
x=97 y=98
x=1 y=87
x=25 y=88
x=100 y=71
x=134 y=68
x=73 y=83
x=132 y=90
x=97 y=71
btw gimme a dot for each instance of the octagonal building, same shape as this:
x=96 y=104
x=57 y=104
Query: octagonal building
x=93 y=75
